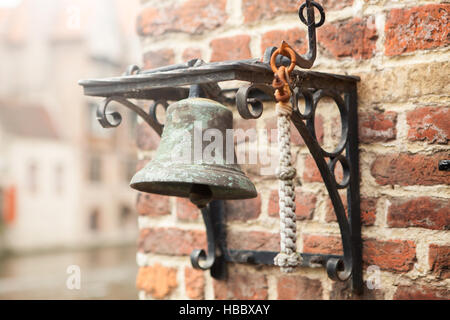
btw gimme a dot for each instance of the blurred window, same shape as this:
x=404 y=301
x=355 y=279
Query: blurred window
x=94 y=220
x=133 y=123
x=95 y=169
x=129 y=169
x=2 y=205
x=59 y=178
x=125 y=215
x=32 y=177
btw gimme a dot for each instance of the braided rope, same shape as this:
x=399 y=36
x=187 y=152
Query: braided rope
x=288 y=258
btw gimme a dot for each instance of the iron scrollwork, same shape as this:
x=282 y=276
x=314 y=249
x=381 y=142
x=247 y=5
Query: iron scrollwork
x=112 y=119
x=214 y=259
x=338 y=268
x=249 y=100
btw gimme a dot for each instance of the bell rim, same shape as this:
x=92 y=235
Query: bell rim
x=163 y=179
x=242 y=196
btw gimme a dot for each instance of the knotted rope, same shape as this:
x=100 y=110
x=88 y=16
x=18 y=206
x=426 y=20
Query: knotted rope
x=288 y=258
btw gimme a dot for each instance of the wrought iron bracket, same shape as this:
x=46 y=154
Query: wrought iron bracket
x=339 y=267
x=195 y=77
x=308 y=86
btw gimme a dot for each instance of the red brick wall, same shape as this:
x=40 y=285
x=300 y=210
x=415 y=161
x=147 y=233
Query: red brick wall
x=401 y=52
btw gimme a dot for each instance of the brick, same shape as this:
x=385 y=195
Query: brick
x=338 y=173
x=186 y=210
x=152 y=205
x=189 y=16
x=254 y=171
x=299 y=288
x=157 y=280
x=421 y=292
x=191 y=53
x=158 y=58
x=243 y=210
x=241 y=286
x=260 y=163
x=146 y=138
x=330 y=215
x=255 y=10
x=310 y=171
x=319 y=131
x=322 y=244
x=368 y=208
x=352 y=38
x=418 y=28
x=295 y=37
x=421 y=212
x=194 y=283
x=391 y=255
x=264 y=167
x=409 y=169
x=171 y=241
x=343 y=291
x=335 y=4
x=305 y=204
x=403 y=83
x=296 y=138
x=253 y=240
x=439 y=260
x=377 y=127
x=230 y=48
x=429 y=124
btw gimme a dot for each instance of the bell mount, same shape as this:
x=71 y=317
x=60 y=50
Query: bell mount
x=197 y=78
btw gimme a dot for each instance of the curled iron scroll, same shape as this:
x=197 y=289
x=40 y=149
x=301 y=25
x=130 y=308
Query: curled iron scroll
x=112 y=119
x=153 y=109
x=249 y=100
x=337 y=269
x=132 y=70
x=199 y=258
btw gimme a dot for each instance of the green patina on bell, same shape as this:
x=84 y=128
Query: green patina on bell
x=196 y=158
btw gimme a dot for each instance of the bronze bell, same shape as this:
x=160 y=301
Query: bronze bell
x=196 y=157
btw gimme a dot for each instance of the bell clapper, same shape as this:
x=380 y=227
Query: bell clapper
x=200 y=195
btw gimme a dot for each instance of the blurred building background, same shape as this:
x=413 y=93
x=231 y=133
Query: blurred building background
x=63 y=178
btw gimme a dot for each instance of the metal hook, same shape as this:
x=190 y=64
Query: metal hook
x=305 y=61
